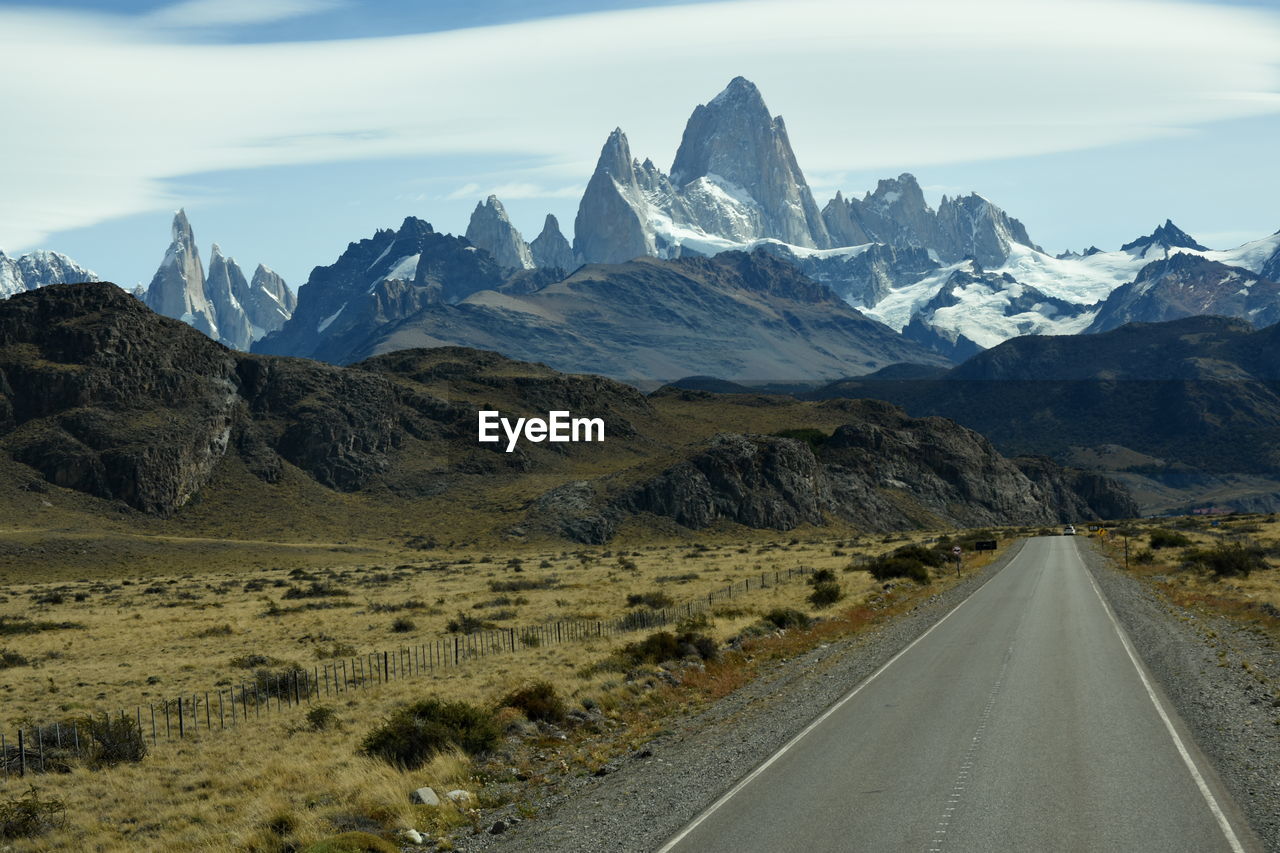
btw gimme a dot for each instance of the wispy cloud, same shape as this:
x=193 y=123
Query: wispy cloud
x=127 y=108
x=514 y=190
x=216 y=13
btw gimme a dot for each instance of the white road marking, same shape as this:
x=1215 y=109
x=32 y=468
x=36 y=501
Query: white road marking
x=1212 y=802
x=786 y=747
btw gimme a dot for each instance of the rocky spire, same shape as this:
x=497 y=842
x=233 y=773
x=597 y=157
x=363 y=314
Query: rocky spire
x=732 y=140
x=612 y=223
x=223 y=286
x=269 y=282
x=550 y=249
x=177 y=288
x=491 y=229
x=971 y=226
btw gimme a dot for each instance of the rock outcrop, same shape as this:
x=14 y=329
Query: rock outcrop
x=880 y=471
x=490 y=229
x=224 y=280
x=612 y=225
x=550 y=249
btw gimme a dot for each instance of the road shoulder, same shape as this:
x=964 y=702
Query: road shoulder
x=1200 y=662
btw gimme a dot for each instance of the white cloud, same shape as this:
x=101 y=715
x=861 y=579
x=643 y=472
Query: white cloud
x=515 y=190
x=215 y=13
x=102 y=131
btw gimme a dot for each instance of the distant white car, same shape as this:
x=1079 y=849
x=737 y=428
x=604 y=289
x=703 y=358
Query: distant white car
x=1069 y=531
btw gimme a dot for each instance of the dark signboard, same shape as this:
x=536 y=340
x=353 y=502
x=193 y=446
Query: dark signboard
x=984 y=545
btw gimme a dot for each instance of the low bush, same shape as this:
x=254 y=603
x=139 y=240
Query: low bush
x=23 y=625
x=887 y=568
x=1161 y=538
x=664 y=646
x=1144 y=557
x=403 y=625
x=28 y=815
x=825 y=594
x=413 y=734
x=821 y=576
x=523 y=584
x=656 y=599
x=317 y=589
x=466 y=624
x=537 y=701
x=788 y=617
x=321 y=717
x=10 y=659
x=931 y=557
x=1228 y=561
x=113 y=740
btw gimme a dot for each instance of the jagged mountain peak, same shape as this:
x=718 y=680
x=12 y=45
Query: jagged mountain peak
x=740 y=92
x=1167 y=236
x=550 y=249
x=490 y=229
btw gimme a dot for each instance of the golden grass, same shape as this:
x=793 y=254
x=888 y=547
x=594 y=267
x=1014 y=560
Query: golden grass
x=1254 y=599
x=273 y=781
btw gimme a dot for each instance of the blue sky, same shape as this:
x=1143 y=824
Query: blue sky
x=288 y=128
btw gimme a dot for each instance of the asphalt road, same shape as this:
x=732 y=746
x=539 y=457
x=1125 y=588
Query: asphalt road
x=1021 y=722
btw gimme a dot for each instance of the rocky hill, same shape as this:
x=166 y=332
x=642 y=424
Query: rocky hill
x=101 y=397
x=737 y=316
x=1190 y=400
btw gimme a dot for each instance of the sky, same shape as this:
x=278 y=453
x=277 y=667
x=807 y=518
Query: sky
x=289 y=128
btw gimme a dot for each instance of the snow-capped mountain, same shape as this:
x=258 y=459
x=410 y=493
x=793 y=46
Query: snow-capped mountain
x=224 y=305
x=36 y=269
x=735 y=181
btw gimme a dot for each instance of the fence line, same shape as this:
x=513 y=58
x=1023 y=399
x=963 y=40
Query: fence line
x=44 y=748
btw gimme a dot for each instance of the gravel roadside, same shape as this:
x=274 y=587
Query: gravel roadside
x=1220 y=677
x=656 y=791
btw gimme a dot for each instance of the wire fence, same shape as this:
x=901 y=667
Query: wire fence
x=54 y=746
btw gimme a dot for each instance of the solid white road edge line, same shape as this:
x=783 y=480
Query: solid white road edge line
x=1212 y=802
x=746 y=780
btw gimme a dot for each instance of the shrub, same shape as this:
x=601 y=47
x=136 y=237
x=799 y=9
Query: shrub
x=317 y=589
x=321 y=717
x=825 y=594
x=9 y=659
x=664 y=646
x=29 y=816
x=1168 y=539
x=1144 y=557
x=223 y=630
x=337 y=650
x=414 y=733
x=403 y=625
x=657 y=600
x=885 y=568
x=822 y=576
x=113 y=740
x=523 y=584
x=538 y=701
x=787 y=617
x=253 y=661
x=1226 y=561
x=927 y=556
x=465 y=624
x=23 y=625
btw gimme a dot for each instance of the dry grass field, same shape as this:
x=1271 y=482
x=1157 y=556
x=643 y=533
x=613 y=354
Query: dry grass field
x=279 y=783
x=1178 y=556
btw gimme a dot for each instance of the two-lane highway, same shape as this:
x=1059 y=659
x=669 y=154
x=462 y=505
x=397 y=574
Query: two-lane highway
x=1022 y=721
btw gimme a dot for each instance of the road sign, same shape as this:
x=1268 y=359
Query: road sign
x=985 y=545
x=955 y=550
